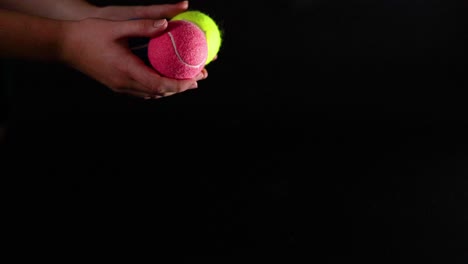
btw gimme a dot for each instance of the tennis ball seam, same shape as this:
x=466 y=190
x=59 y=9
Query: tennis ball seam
x=178 y=54
x=210 y=28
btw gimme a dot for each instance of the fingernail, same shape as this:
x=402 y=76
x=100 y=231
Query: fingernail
x=199 y=76
x=194 y=85
x=184 y=4
x=159 y=23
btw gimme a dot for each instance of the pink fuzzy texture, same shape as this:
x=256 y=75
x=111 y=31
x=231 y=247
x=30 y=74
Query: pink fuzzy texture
x=181 y=57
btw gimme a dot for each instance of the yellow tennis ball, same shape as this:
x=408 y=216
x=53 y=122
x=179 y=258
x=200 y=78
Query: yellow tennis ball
x=209 y=26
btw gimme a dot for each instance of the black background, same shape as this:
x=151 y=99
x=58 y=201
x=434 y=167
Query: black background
x=330 y=130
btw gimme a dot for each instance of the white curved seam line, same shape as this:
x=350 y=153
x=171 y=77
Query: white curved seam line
x=178 y=55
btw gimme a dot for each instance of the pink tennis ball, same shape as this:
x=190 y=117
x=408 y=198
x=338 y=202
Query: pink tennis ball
x=180 y=52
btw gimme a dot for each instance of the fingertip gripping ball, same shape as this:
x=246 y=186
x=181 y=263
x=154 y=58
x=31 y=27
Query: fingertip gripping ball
x=180 y=52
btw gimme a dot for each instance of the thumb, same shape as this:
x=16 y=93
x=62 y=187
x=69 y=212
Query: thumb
x=139 y=28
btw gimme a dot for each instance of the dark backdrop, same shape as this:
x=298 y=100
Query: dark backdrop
x=332 y=129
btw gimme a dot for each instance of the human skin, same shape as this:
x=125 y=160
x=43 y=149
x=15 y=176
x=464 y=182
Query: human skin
x=91 y=39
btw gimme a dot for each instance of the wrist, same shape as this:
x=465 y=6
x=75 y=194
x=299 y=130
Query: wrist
x=95 y=12
x=116 y=12
x=88 y=11
x=79 y=12
x=63 y=53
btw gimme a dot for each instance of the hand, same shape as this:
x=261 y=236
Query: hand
x=166 y=11
x=99 y=49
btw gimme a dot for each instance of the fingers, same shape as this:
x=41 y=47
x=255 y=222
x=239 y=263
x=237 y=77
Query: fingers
x=161 y=11
x=165 y=88
x=135 y=93
x=147 y=83
x=136 y=89
x=167 y=85
x=142 y=81
x=139 y=28
x=202 y=75
x=155 y=83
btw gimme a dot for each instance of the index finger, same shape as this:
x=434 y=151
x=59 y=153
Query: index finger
x=155 y=83
x=168 y=85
